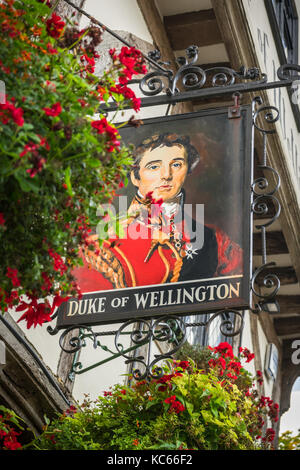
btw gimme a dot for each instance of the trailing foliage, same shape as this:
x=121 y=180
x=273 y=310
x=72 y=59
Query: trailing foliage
x=287 y=441
x=186 y=408
x=59 y=158
x=11 y=427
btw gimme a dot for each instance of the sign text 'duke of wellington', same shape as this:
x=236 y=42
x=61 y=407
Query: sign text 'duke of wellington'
x=177 y=240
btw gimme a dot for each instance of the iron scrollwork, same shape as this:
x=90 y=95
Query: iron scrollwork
x=264 y=199
x=191 y=76
x=169 y=329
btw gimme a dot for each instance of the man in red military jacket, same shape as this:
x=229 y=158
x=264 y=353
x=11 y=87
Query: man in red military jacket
x=159 y=245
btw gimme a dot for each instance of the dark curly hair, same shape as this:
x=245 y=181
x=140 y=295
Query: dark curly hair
x=168 y=140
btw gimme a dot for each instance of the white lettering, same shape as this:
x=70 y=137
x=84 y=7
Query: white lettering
x=141 y=300
x=153 y=296
x=71 y=303
x=226 y=291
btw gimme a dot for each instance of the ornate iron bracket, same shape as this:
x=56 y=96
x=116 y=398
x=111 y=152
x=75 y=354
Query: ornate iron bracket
x=263 y=198
x=170 y=330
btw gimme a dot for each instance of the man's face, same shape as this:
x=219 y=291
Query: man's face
x=162 y=171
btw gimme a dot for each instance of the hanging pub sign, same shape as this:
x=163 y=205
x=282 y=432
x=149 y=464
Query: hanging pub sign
x=177 y=239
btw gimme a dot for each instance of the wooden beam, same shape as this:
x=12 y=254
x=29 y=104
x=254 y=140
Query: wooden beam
x=287 y=326
x=275 y=242
x=285 y=274
x=196 y=27
x=289 y=303
x=161 y=42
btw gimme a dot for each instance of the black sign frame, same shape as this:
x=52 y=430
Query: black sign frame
x=164 y=299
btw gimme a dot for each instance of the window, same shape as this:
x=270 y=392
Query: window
x=286 y=23
x=212 y=336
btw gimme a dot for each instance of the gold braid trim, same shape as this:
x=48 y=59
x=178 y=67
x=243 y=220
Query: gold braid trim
x=129 y=265
x=108 y=265
x=167 y=266
x=178 y=263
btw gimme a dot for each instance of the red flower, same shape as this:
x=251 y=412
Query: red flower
x=235 y=367
x=90 y=67
x=2 y=219
x=9 y=111
x=71 y=410
x=59 y=265
x=55 y=26
x=123 y=392
x=52 y=438
x=10 y=440
x=225 y=349
x=170 y=399
x=54 y=111
x=103 y=127
x=270 y=435
x=35 y=313
x=82 y=102
x=13 y=275
x=47 y=283
x=48 y=2
x=247 y=354
x=176 y=405
x=259 y=377
x=51 y=49
x=183 y=364
x=128 y=94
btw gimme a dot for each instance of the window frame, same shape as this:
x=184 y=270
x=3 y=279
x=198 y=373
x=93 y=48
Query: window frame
x=277 y=23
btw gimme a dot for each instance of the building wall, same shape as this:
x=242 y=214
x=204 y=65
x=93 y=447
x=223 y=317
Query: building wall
x=267 y=55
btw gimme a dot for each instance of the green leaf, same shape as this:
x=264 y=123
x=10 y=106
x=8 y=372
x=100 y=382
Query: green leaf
x=189 y=407
x=68 y=181
x=27 y=184
x=93 y=162
x=47 y=420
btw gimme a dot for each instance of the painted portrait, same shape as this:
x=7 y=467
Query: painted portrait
x=184 y=223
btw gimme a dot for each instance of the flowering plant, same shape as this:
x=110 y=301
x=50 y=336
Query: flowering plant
x=9 y=422
x=60 y=159
x=287 y=441
x=186 y=408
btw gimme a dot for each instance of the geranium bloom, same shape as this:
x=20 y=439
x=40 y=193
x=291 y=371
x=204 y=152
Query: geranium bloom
x=59 y=265
x=54 y=111
x=103 y=127
x=176 y=405
x=51 y=49
x=90 y=67
x=35 y=313
x=128 y=94
x=13 y=275
x=247 y=354
x=9 y=111
x=225 y=349
x=55 y=26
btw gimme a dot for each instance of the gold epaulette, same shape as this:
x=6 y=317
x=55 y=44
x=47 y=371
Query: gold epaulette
x=106 y=262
